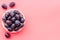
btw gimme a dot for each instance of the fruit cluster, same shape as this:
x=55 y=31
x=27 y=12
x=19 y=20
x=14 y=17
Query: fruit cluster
x=13 y=20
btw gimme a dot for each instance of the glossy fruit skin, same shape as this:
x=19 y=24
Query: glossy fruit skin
x=12 y=4
x=13 y=26
x=22 y=24
x=6 y=25
x=8 y=22
x=4 y=19
x=17 y=22
x=17 y=16
x=17 y=28
x=4 y=6
x=16 y=12
x=7 y=35
x=13 y=19
x=22 y=20
x=10 y=29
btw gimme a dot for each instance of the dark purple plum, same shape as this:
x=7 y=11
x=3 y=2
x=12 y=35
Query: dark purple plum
x=8 y=22
x=13 y=19
x=21 y=25
x=4 y=19
x=6 y=25
x=17 y=28
x=12 y=4
x=13 y=26
x=7 y=35
x=17 y=16
x=17 y=22
x=16 y=12
x=10 y=29
x=4 y=6
x=22 y=20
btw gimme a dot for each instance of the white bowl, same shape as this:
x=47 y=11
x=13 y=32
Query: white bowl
x=6 y=28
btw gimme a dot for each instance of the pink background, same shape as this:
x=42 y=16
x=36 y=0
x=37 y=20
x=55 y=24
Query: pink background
x=42 y=20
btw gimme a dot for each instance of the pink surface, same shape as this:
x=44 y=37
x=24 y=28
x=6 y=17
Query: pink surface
x=42 y=20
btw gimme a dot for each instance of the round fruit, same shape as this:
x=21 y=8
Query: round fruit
x=7 y=35
x=4 y=6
